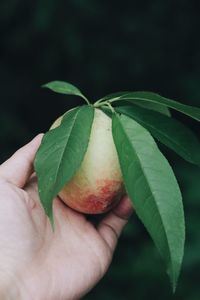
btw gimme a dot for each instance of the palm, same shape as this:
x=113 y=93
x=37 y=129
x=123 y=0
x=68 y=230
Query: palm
x=76 y=245
x=63 y=264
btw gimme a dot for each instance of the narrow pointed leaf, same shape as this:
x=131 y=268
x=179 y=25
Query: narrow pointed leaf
x=116 y=96
x=143 y=97
x=155 y=107
x=62 y=87
x=61 y=153
x=146 y=104
x=168 y=131
x=152 y=186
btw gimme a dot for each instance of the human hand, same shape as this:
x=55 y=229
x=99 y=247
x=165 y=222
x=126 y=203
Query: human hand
x=37 y=263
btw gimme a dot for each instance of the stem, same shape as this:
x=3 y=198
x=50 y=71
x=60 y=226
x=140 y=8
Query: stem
x=100 y=102
x=97 y=102
x=110 y=106
x=104 y=104
x=86 y=100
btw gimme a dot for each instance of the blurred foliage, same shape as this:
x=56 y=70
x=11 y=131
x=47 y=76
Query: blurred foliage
x=102 y=47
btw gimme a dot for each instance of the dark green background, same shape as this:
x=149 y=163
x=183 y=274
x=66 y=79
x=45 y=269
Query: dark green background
x=102 y=47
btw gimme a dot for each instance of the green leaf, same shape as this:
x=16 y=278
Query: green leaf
x=193 y=112
x=61 y=153
x=66 y=88
x=167 y=130
x=155 y=107
x=146 y=104
x=152 y=186
x=115 y=96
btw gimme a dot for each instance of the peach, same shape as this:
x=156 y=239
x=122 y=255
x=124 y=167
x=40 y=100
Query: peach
x=97 y=186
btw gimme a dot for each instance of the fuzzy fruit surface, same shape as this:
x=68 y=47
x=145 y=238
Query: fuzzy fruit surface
x=97 y=186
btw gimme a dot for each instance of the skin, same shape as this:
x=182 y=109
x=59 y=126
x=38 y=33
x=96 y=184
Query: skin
x=37 y=263
x=98 y=184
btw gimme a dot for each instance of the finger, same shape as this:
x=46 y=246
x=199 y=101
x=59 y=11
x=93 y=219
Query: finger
x=31 y=188
x=18 y=168
x=62 y=213
x=111 y=226
x=38 y=213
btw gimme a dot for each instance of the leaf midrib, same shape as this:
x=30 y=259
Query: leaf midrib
x=150 y=100
x=187 y=107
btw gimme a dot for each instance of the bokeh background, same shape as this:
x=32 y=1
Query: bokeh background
x=106 y=46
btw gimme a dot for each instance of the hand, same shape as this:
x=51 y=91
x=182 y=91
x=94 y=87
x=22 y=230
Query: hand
x=37 y=263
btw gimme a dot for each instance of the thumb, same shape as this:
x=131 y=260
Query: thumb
x=18 y=168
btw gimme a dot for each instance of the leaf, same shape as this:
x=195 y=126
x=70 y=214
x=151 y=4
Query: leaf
x=61 y=153
x=152 y=186
x=193 y=112
x=168 y=131
x=155 y=107
x=146 y=104
x=113 y=96
x=62 y=87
